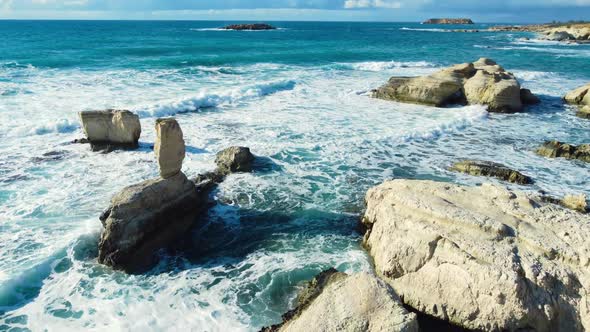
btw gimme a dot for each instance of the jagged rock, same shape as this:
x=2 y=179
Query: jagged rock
x=488 y=168
x=111 y=129
x=559 y=36
x=482 y=82
x=169 y=147
x=146 y=217
x=255 y=26
x=528 y=98
x=484 y=258
x=234 y=159
x=448 y=21
x=556 y=149
x=335 y=301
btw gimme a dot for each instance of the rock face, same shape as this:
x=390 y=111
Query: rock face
x=484 y=258
x=234 y=159
x=487 y=168
x=111 y=127
x=146 y=217
x=556 y=149
x=580 y=97
x=482 y=82
x=255 y=26
x=448 y=21
x=169 y=147
x=335 y=301
x=528 y=98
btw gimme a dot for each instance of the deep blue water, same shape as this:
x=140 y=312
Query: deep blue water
x=297 y=96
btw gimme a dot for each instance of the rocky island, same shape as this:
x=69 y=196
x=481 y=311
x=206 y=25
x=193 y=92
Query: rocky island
x=253 y=26
x=448 y=21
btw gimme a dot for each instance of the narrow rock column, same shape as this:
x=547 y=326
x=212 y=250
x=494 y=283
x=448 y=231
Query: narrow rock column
x=169 y=148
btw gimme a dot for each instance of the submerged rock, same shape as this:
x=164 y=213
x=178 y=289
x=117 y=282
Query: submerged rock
x=488 y=168
x=482 y=82
x=556 y=149
x=234 y=159
x=169 y=147
x=335 y=301
x=255 y=26
x=484 y=258
x=111 y=129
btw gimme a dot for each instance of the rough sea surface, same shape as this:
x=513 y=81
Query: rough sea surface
x=297 y=96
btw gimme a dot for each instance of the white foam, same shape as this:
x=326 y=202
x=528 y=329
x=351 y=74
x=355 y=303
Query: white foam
x=386 y=65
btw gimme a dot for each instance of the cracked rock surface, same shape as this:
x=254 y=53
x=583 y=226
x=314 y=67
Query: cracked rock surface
x=484 y=258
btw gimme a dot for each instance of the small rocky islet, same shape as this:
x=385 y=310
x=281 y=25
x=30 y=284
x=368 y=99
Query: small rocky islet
x=250 y=26
x=470 y=257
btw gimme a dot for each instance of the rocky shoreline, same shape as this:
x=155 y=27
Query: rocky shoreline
x=483 y=257
x=448 y=21
x=572 y=32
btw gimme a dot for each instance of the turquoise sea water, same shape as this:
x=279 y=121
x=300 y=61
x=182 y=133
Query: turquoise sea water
x=297 y=95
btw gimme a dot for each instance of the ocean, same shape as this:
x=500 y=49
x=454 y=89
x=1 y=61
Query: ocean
x=299 y=98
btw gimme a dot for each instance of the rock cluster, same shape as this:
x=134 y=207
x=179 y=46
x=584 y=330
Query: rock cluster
x=487 y=168
x=556 y=149
x=255 y=26
x=482 y=82
x=335 y=301
x=580 y=97
x=111 y=129
x=448 y=21
x=576 y=32
x=484 y=258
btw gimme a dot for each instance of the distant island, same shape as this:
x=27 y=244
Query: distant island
x=448 y=21
x=255 y=26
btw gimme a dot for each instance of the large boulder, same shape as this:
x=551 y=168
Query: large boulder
x=484 y=258
x=556 y=149
x=559 y=36
x=482 y=82
x=116 y=128
x=488 y=168
x=169 y=147
x=335 y=301
x=580 y=97
x=234 y=159
x=146 y=217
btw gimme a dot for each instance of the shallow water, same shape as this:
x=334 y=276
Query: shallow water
x=298 y=96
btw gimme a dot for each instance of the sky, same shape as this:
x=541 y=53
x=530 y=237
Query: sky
x=501 y=11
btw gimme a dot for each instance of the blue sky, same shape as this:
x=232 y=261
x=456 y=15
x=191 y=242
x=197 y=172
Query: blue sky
x=318 y=10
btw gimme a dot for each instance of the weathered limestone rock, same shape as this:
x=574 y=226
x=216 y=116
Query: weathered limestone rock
x=111 y=128
x=234 y=159
x=576 y=202
x=559 y=36
x=146 y=217
x=335 y=301
x=580 y=97
x=169 y=147
x=556 y=149
x=482 y=82
x=487 y=168
x=484 y=258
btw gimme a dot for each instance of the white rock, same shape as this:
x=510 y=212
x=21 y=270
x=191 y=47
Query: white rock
x=111 y=126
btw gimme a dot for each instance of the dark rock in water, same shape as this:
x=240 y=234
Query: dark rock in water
x=488 y=168
x=50 y=156
x=146 y=217
x=448 y=21
x=335 y=301
x=255 y=26
x=81 y=141
x=556 y=149
x=234 y=159
x=528 y=98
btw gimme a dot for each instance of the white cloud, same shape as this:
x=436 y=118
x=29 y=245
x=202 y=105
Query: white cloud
x=5 y=5
x=372 y=4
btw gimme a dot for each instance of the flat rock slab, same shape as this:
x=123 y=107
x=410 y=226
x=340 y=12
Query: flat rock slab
x=109 y=129
x=484 y=258
x=488 y=168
